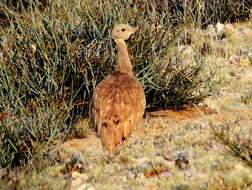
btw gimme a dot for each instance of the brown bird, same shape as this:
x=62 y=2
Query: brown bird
x=119 y=100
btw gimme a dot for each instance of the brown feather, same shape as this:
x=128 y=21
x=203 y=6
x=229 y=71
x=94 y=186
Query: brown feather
x=119 y=102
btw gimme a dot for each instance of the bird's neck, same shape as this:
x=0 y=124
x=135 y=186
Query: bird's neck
x=123 y=61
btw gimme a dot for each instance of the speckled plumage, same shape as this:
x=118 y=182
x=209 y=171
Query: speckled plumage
x=119 y=100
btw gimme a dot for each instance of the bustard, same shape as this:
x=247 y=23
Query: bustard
x=119 y=100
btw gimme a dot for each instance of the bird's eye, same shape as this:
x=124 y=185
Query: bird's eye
x=123 y=29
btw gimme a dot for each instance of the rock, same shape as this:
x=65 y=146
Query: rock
x=219 y=28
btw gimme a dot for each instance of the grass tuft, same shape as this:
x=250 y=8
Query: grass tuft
x=237 y=139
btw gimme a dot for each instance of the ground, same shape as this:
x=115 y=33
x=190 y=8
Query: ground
x=201 y=147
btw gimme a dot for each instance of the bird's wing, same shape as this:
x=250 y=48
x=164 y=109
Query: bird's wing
x=119 y=101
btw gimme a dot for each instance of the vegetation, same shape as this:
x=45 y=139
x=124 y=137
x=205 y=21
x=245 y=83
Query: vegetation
x=237 y=139
x=53 y=54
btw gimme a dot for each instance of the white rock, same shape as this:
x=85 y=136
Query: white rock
x=219 y=27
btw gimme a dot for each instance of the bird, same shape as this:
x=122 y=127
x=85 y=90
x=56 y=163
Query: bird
x=118 y=100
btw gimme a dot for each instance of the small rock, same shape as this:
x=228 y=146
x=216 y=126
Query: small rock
x=219 y=28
